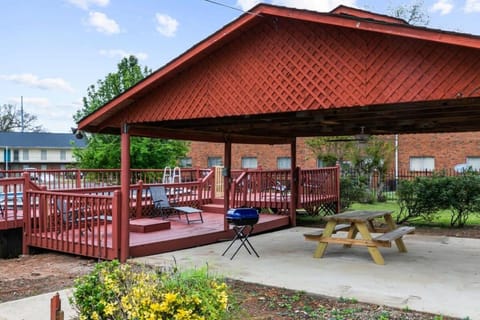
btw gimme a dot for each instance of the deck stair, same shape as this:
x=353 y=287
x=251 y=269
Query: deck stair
x=213 y=208
x=145 y=225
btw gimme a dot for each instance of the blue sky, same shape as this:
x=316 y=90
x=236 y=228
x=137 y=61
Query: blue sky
x=52 y=50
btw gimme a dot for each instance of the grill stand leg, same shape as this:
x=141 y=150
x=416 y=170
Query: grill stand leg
x=243 y=237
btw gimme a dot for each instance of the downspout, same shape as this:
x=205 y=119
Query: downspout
x=396 y=160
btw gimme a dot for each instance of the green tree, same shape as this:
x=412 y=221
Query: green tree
x=413 y=13
x=103 y=151
x=11 y=120
x=369 y=158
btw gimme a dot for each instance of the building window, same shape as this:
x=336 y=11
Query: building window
x=284 y=163
x=25 y=154
x=320 y=163
x=473 y=162
x=63 y=155
x=185 y=162
x=43 y=155
x=249 y=163
x=214 y=162
x=422 y=163
x=16 y=156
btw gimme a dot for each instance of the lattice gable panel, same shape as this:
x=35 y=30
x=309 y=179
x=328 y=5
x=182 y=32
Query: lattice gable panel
x=402 y=70
x=286 y=65
x=276 y=67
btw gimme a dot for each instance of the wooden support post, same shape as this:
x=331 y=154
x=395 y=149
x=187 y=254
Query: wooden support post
x=294 y=180
x=56 y=312
x=227 y=181
x=125 y=190
x=337 y=185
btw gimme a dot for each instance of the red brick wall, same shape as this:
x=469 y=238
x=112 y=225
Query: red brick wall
x=266 y=154
x=448 y=149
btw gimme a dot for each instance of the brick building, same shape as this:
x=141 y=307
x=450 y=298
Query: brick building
x=416 y=152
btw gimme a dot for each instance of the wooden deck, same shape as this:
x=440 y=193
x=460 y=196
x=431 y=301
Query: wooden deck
x=89 y=221
x=180 y=235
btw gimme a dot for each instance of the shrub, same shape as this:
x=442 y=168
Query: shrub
x=350 y=191
x=124 y=291
x=418 y=199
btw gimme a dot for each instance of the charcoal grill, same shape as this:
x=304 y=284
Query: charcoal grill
x=243 y=221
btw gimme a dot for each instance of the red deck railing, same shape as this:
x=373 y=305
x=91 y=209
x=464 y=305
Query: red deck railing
x=86 y=220
x=82 y=224
x=262 y=189
x=11 y=201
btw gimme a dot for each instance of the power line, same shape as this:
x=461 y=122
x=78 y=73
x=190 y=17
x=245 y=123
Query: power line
x=231 y=7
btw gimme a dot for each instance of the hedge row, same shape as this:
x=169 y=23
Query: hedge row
x=424 y=197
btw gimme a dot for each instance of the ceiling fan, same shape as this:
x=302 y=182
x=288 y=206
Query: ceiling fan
x=361 y=137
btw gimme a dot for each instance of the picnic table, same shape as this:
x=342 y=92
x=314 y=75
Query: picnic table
x=361 y=222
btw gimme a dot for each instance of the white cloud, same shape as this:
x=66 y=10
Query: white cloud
x=166 y=25
x=247 y=4
x=472 y=6
x=442 y=6
x=102 y=23
x=85 y=4
x=52 y=117
x=34 y=81
x=30 y=101
x=315 y=5
x=119 y=53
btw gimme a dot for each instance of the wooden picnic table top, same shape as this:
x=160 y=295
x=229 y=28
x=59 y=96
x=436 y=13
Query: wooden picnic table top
x=357 y=216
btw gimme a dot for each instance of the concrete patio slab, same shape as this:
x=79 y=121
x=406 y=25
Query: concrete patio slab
x=438 y=274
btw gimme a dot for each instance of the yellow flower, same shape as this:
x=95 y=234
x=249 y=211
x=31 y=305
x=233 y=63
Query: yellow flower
x=109 y=309
x=95 y=316
x=183 y=314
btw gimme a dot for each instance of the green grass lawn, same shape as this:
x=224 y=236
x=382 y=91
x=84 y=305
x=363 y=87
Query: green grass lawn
x=442 y=219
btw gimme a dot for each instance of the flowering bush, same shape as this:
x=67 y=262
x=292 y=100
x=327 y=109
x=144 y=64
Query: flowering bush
x=124 y=291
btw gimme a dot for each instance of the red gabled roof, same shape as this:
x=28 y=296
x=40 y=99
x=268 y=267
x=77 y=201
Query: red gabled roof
x=341 y=17
x=354 y=12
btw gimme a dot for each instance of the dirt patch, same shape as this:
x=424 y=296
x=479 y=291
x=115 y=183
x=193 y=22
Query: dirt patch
x=40 y=273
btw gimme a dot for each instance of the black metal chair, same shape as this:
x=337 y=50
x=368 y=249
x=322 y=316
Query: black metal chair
x=162 y=205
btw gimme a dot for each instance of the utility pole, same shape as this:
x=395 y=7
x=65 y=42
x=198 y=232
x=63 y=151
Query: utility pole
x=21 y=112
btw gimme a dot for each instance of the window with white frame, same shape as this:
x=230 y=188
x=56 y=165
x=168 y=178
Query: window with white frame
x=63 y=155
x=284 y=163
x=214 y=162
x=25 y=154
x=320 y=163
x=249 y=163
x=16 y=155
x=422 y=163
x=473 y=162
x=185 y=162
x=43 y=155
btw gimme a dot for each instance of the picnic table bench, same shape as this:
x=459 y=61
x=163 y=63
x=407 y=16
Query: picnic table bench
x=360 y=222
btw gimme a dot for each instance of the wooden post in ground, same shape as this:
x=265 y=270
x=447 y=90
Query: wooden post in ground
x=56 y=312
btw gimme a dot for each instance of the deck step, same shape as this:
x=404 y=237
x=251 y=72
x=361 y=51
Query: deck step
x=213 y=208
x=145 y=225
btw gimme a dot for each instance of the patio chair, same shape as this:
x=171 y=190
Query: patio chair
x=74 y=217
x=162 y=205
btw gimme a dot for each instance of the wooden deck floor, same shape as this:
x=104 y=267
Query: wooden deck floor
x=180 y=236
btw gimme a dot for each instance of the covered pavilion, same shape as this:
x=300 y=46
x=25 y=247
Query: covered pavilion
x=276 y=73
